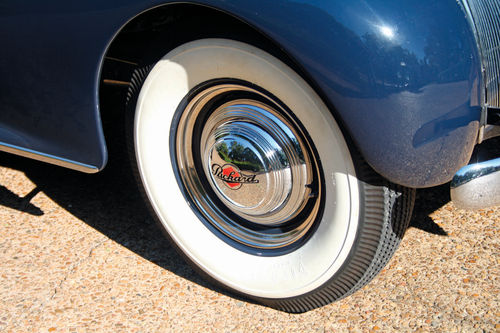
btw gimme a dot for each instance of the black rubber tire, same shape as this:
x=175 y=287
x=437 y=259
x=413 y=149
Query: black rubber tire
x=383 y=222
x=384 y=215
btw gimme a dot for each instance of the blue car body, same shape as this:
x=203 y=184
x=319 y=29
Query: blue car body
x=403 y=78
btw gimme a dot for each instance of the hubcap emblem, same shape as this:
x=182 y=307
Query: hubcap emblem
x=232 y=176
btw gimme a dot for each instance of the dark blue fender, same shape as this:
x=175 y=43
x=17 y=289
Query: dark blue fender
x=402 y=77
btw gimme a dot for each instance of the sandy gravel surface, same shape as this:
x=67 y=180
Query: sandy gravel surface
x=78 y=253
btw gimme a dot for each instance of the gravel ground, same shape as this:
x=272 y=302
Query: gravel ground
x=78 y=253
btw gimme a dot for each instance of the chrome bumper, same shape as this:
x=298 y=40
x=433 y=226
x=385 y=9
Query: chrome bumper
x=477 y=185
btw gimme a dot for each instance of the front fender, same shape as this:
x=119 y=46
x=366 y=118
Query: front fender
x=403 y=77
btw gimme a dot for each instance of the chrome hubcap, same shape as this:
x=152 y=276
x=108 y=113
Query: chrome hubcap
x=254 y=162
x=247 y=167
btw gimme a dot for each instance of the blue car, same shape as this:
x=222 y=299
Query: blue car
x=278 y=143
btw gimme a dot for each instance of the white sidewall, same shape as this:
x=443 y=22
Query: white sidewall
x=288 y=275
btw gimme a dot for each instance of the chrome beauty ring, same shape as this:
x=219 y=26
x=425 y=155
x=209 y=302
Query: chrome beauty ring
x=247 y=166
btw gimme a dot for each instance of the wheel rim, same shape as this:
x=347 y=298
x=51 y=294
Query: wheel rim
x=247 y=167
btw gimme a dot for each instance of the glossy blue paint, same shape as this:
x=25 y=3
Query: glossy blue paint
x=402 y=77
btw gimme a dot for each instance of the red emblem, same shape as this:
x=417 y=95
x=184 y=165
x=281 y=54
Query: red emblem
x=229 y=171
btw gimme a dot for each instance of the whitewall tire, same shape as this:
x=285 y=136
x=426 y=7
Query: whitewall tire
x=249 y=174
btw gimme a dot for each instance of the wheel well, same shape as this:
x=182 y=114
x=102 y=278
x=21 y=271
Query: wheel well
x=149 y=36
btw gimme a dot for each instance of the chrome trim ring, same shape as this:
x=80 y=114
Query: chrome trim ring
x=247 y=166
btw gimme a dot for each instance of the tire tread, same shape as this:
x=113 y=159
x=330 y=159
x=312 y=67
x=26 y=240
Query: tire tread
x=386 y=217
